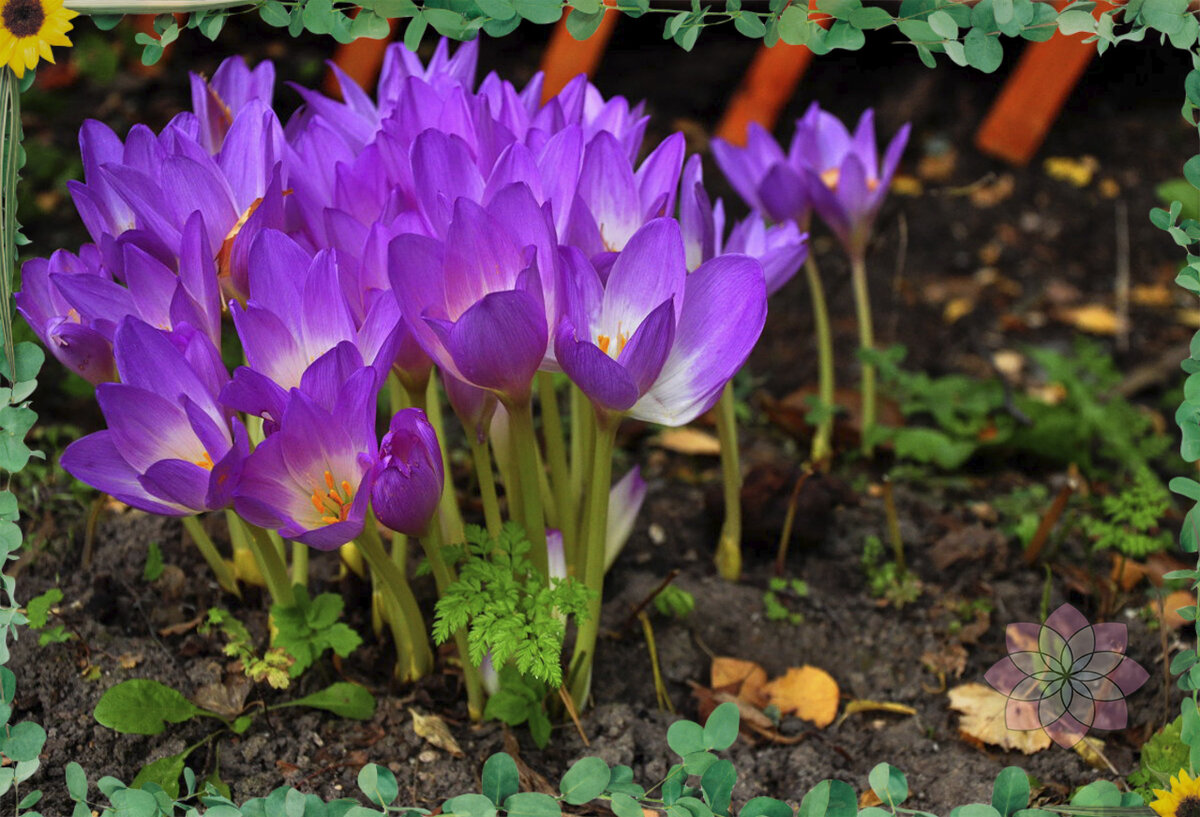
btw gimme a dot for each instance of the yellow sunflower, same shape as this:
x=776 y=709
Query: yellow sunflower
x=1181 y=800
x=27 y=30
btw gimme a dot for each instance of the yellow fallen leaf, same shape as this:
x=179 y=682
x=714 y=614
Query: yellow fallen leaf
x=1171 y=604
x=1094 y=318
x=745 y=679
x=434 y=730
x=906 y=185
x=1092 y=752
x=808 y=692
x=868 y=799
x=689 y=441
x=957 y=308
x=1078 y=172
x=991 y=192
x=854 y=707
x=1151 y=295
x=129 y=660
x=982 y=720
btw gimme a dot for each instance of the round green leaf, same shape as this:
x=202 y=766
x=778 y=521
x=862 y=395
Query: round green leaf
x=889 y=784
x=532 y=804
x=24 y=742
x=143 y=707
x=766 y=807
x=77 y=785
x=1010 y=792
x=717 y=784
x=585 y=781
x=829 y=798
x=343 y=699
x=943 y=25
x=721 y=728
x=501 y=779
x=685 y=737
x=623 y=805
x=378 y=784
x=975 y=810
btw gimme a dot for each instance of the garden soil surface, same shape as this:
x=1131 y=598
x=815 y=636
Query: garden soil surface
x=983 y=258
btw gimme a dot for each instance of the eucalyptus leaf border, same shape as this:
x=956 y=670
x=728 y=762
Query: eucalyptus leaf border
x=966 y=35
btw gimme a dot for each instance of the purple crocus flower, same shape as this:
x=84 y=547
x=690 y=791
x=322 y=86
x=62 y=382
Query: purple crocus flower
x=169 y=447
x=654 y=341
x=408 y=475
x=845 y=179
x=475 y=303
x=217 y=101
x=780 y=248
x=311 y=479
x=763 y=176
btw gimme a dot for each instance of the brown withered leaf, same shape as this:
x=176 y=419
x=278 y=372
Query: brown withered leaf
x=949 y=660
x=982 y=720
x=973 y=631
x=808 y=692
x=990 y=193
x=227 y=699
x=434 y=730
x=1170 y=606
x=854 y=707
x=129 y=660
x=1095 y=319
x=970 y=543
x=742 y=679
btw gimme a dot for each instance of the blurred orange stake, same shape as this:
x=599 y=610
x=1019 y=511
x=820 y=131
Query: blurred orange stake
x=1034 y=94
x=768 y=85
x=566 y=57
x=361 y=60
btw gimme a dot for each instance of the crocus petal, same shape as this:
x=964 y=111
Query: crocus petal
x=646 y=351
x=499 y=342
x=724 y=309
x=178 y=481
x=650 y=270
x=624 y=502
x=83 y=350
x=96 y=459
x=605 y=381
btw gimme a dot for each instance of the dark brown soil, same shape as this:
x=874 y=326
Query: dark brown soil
x=1054 y=241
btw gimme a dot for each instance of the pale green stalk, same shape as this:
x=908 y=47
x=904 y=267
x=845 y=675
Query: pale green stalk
x=556 y=454
x=582 y=438
x=212 y=556
x=729 y=545
x=300 y=564
x=270 y=564
x=524 y=447
x=443 y=576
x=593 y=534
x=822 y=443
x=482 y=458
x=866 y=340
x=414 y=659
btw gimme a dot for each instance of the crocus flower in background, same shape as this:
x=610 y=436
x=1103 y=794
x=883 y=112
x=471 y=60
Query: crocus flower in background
x=624 y=502
x=169 y=447
x=653 y=340
x=311 y=479
x=408 y=479
x=217 y=101
x=767 y=181
x=846 y=180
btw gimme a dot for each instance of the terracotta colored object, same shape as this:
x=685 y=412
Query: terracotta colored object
x=567 y=58
x=1034 y=95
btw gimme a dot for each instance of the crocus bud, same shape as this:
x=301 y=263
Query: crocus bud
x=409 y=475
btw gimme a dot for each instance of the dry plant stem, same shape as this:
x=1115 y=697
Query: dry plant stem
x=482 y=458
x=660 y=689
x=272 y=567
x=789 y=518
x=212 y=556
x=822 y=444
x=449 y=515
x=866 y=340
x=414 y=659
x=1049 y=521
x=591 y=540
x=443 y=576
x=729 y=546
x=556 y=455
x=525 y=452
x=893 y=525
x=644 y=603
x=569 y=705
x=89 y=528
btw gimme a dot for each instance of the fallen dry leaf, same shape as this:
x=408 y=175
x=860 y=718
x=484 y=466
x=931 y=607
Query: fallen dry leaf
x=435 y=732
x=1078 y=172
x=129 y=660
x=990 y=194
x=1095 y=319
x=854 y=707
x=1159 y=295
x=869 y=799
x=957 y=308
x=744 y=679
x=937 y=167
x=906 y=185
x=807 y=691
x=1171 y=604
x=950 y=660
x=688 y=441
x=982 y=720
x=1092 y=751
x=1109 y=188
x=1009 y=363
x=227 y=699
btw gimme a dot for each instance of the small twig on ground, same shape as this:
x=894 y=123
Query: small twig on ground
x=788 y=519
x=1050 y=520
x=640 y=606
x=660 y=689
x=574 y=713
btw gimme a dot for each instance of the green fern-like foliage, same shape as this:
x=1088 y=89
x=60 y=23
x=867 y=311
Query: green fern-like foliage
x=507 y=607
x=1129 y=521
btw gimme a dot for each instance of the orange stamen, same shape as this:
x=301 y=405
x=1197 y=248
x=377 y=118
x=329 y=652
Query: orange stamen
x=333 y=505
x=205 y=462
x=602 y=341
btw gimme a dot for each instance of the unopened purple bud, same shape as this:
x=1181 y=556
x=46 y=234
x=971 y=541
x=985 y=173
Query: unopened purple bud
x=409 y=475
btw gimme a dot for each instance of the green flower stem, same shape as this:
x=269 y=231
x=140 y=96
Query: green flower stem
x=270 y=564
x=443 y=576
x=729 y=546
x=556 y=453
x=822 y=444
x=299 y=564
x=592 y=537
x=212 y=556
x=524 y=444
x=482 y=457
x=866 y=340
x=414 y=658
x=582 y=438
x=449 y=515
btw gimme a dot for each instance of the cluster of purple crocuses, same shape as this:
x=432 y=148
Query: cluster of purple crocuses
x=468 y=229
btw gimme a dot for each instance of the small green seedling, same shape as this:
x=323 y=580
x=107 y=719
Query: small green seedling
x=780 y=591
x=273 y=666
x=674 y=602
x=885 y=578
x=39 y=610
